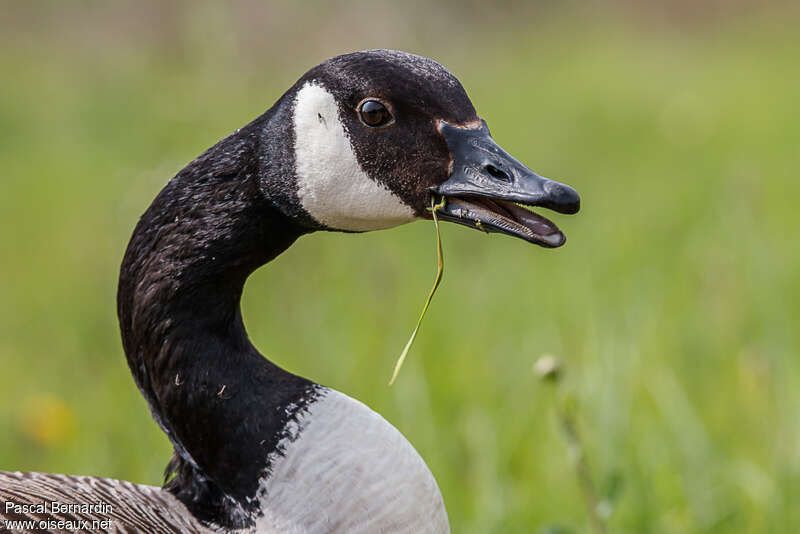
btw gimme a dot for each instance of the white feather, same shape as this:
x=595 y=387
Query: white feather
x=332 y=186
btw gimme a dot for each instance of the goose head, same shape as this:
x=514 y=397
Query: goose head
x=380 y=135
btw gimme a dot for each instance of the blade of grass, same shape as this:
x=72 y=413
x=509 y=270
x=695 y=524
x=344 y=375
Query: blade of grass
x=440 y=269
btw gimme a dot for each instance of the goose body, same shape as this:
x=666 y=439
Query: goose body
x=361 y=142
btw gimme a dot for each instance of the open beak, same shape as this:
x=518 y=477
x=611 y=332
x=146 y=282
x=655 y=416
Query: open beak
x=489 y=190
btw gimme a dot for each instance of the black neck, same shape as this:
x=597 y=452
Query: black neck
x=179 y=309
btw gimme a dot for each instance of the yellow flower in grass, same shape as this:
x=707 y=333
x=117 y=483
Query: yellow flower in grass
x=47 y=420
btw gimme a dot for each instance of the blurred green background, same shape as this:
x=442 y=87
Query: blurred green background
x=674 y=305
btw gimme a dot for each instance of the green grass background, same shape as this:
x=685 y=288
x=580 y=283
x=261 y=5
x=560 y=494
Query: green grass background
x=674 y=305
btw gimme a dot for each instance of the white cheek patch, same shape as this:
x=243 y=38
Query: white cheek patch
x=331 y=185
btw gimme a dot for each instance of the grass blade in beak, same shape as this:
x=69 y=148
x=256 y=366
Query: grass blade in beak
x=439 y=271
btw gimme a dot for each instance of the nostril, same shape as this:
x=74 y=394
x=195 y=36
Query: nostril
x=497 y=173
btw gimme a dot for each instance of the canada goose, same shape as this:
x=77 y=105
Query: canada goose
x=361 y=142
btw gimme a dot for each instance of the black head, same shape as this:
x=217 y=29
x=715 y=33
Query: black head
x=379 y=134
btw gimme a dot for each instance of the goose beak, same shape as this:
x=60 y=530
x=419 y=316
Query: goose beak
x=489 y=190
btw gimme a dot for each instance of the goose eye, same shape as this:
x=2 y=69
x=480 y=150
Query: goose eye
x=374 y=114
